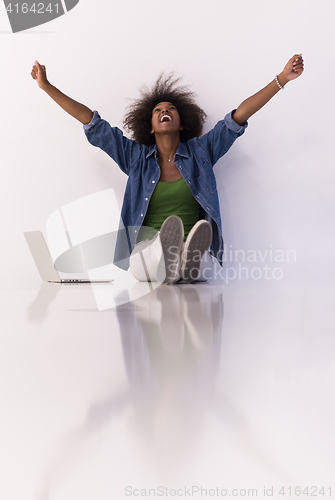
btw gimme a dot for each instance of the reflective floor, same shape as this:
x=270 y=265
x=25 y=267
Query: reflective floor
x=205 y=390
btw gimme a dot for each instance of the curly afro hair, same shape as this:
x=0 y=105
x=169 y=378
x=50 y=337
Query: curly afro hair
x=138 y=118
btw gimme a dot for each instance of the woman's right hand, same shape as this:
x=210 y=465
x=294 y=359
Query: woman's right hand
x=39 y=74
x=74 y=108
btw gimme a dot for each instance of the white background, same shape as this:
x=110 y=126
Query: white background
x=269 y=419
x=276 y=184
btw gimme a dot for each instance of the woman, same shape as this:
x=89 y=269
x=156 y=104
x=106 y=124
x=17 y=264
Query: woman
x=171 y=187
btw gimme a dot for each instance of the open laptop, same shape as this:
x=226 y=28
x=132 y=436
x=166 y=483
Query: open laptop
x=41 y=255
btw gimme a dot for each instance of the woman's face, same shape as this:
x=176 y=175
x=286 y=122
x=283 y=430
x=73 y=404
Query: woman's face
x=165 y=119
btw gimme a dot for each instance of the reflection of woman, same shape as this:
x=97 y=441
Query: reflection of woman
x=171 y=186
x=171 y=363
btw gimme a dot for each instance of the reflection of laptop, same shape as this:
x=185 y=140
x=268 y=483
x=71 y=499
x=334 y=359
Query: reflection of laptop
x=44 y=263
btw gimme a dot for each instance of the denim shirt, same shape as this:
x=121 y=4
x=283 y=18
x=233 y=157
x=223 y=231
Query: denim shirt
x=194 y=159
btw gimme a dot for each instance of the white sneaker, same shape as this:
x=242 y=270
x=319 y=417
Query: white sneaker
x=197 y=242
x=172 y=236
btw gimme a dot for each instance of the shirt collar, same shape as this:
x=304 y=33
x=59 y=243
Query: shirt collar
x=181 y=150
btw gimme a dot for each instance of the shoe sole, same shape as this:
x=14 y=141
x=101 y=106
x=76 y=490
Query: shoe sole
x=172 y=237
x=198 y=241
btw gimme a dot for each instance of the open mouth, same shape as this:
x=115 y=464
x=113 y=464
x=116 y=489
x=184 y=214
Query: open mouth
x=166 y=118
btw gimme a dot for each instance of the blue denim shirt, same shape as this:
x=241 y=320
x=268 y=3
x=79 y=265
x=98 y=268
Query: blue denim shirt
x=194 y=159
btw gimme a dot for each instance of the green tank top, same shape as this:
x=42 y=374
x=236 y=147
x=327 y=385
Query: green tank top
x=170 y=198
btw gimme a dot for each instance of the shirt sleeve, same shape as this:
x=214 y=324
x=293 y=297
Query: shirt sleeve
x=218 y=140
x=111 y=140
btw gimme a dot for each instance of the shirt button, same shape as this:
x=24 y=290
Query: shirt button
x=153 y=182
x=146 y=199
x=135 y=230
x=141 y=215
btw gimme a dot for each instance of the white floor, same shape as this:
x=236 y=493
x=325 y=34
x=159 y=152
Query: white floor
x=224 y=387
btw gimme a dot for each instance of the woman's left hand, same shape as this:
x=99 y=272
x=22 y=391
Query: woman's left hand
x=294 y=68
x=247 y=108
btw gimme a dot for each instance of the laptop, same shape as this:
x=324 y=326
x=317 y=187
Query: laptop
x=41 y=255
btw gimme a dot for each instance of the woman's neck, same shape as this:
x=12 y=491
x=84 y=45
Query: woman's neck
x=166 y=149
x=167 y=146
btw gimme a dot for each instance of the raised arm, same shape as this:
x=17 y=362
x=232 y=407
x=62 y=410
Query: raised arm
x=250 y=106
x=74 y=108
